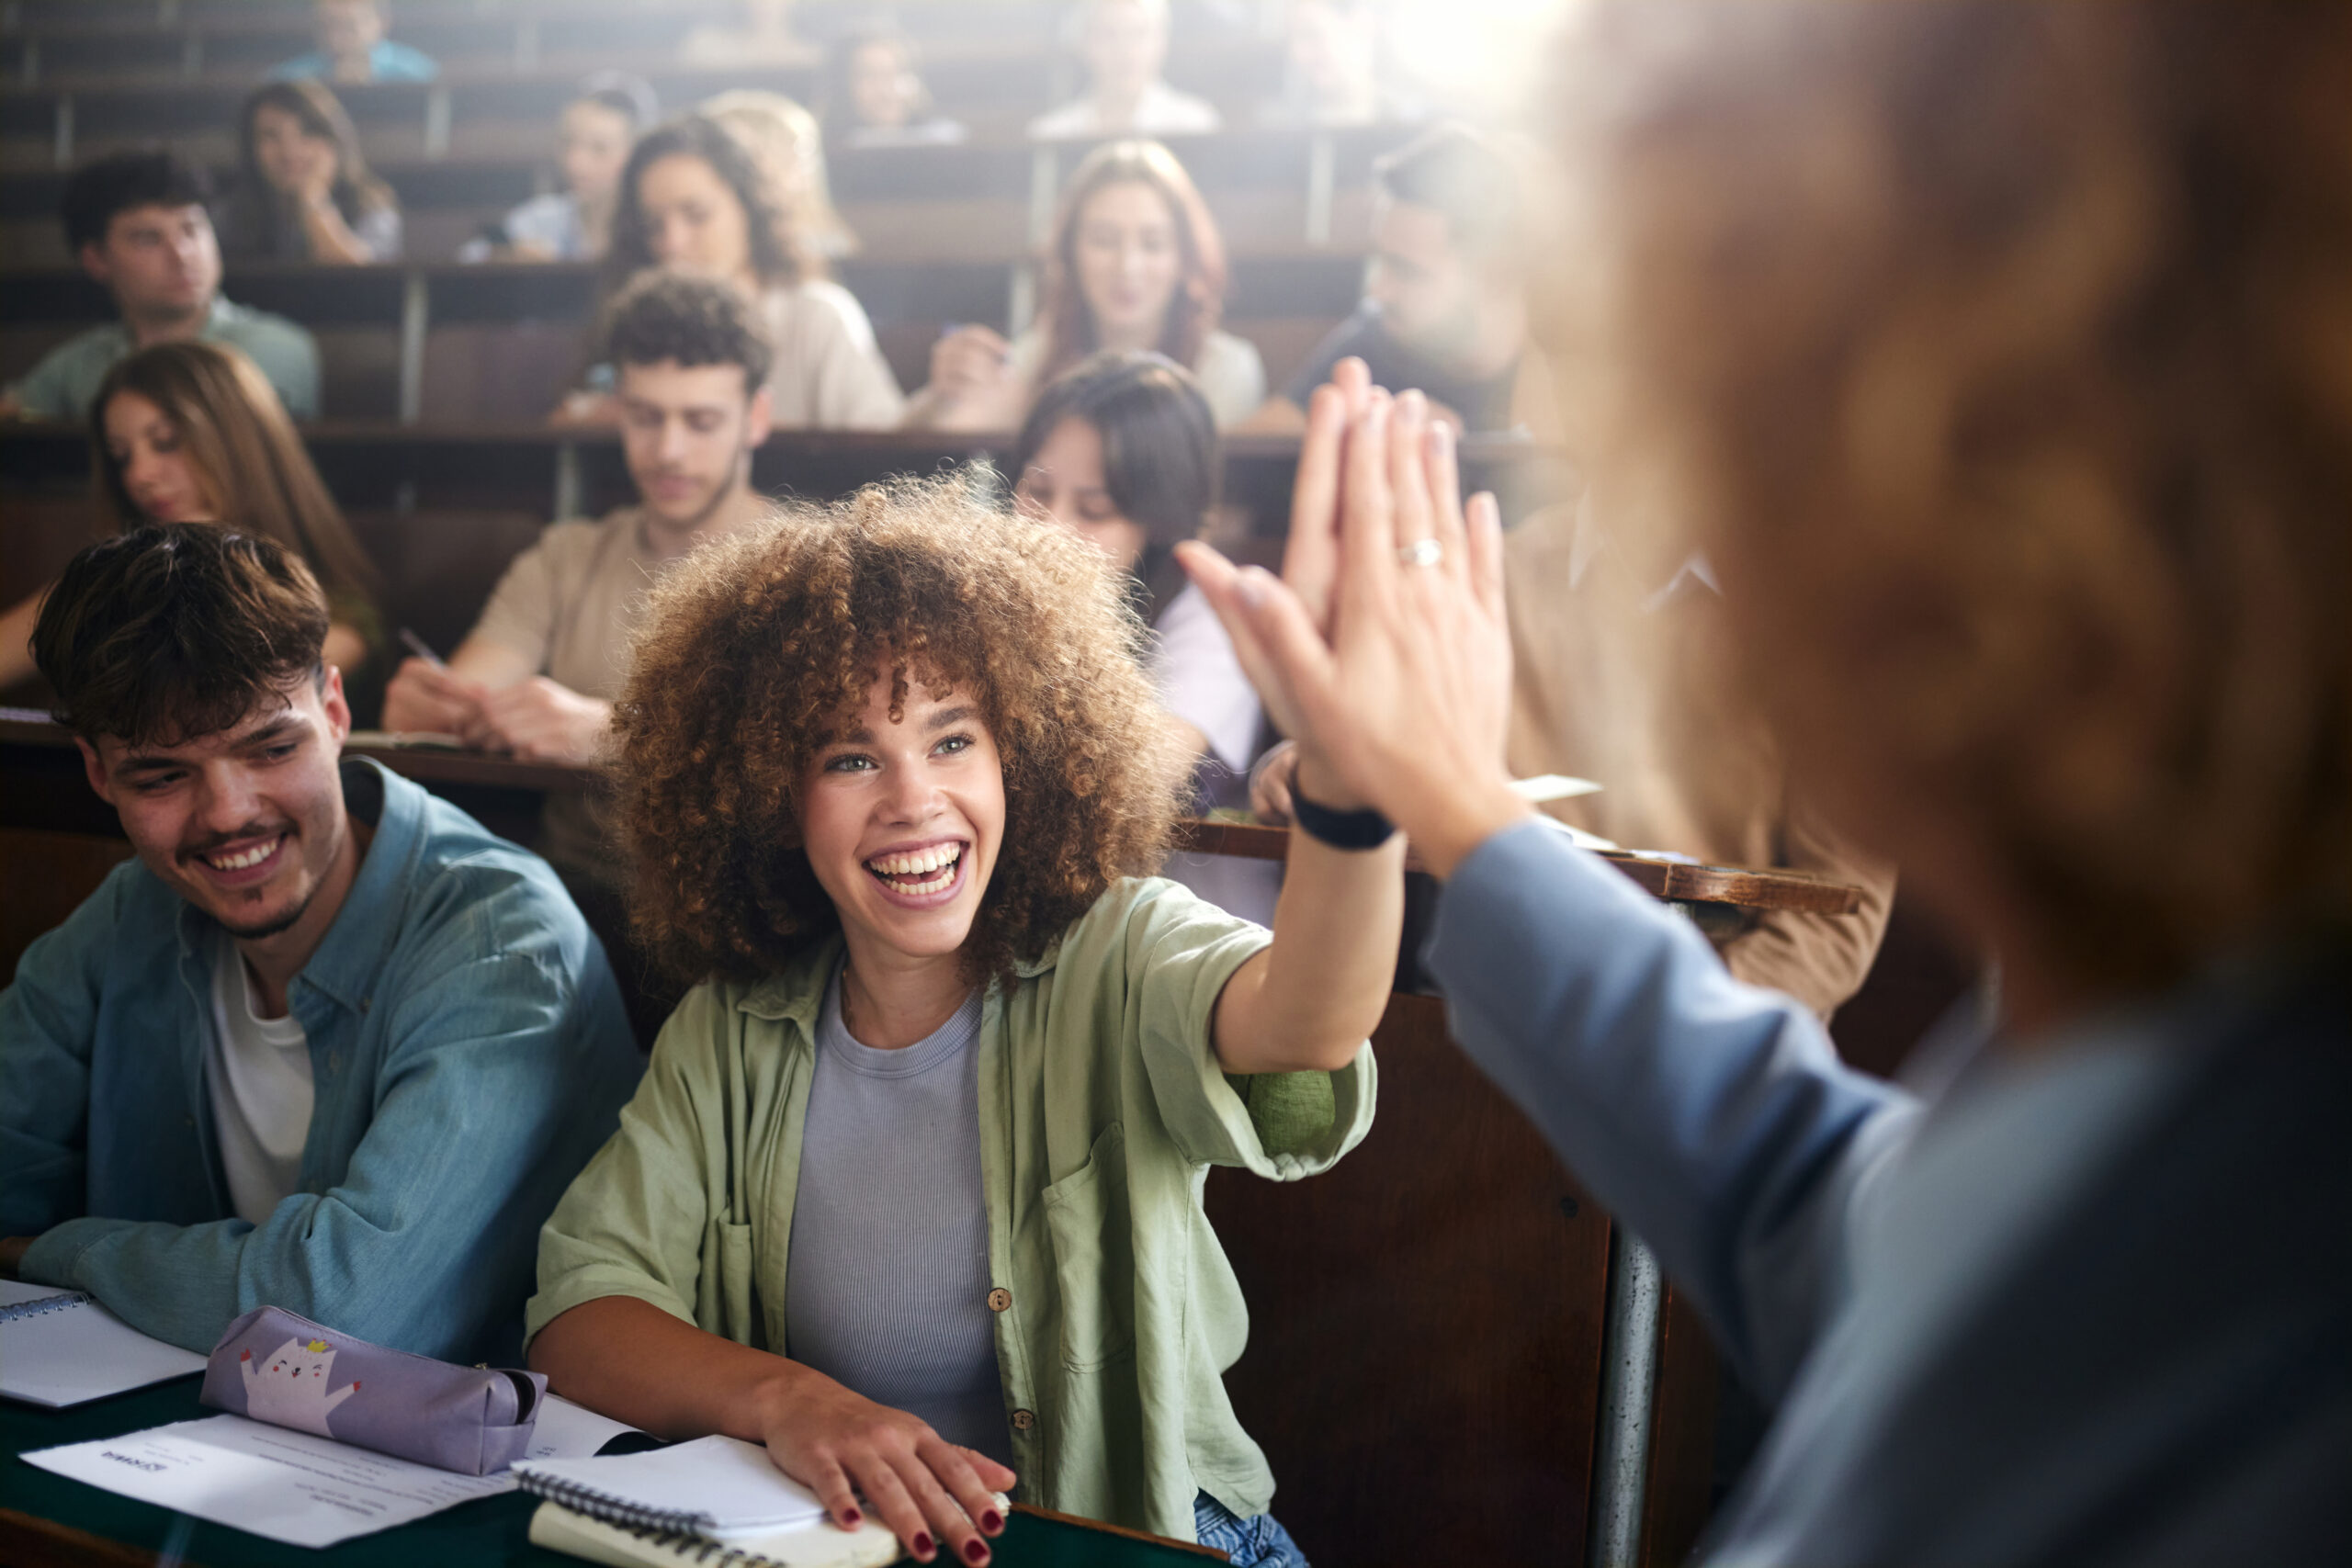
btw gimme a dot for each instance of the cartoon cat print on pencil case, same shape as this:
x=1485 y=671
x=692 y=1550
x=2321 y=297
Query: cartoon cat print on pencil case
x=291 y=1388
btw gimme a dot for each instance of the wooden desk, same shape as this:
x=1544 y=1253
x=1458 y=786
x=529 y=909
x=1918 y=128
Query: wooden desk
x=47 y=1521
x=1450 y=1342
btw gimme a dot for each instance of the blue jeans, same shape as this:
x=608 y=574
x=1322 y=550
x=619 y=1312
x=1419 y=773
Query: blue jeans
x=1258 y=1541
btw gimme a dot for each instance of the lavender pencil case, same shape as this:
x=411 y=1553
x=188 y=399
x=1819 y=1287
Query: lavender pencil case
x=275 y=1367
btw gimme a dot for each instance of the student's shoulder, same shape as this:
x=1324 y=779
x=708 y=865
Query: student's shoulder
x=824 y=304
x=470 y=894
x=1136 y=915
x=62 y=380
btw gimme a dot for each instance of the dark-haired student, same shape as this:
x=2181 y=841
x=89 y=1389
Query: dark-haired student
x=136 y=224
x=1444 y=309
x=537 y=674
x=191 y=433
x=304 y=191
x=324 y=1043
x=1123 y=452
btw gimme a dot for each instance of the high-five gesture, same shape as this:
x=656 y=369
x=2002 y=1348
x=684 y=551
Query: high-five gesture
x=1383 y=650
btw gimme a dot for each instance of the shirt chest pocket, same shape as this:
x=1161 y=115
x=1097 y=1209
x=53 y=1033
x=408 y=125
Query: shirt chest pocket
x=1094 y=1263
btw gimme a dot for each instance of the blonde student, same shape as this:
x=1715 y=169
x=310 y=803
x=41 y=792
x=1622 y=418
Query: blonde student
x=912 y=1191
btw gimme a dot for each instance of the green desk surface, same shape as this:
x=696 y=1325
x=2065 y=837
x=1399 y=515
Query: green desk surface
x=493 y=1531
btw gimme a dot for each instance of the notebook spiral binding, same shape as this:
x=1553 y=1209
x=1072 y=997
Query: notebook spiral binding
x=698 y=1549
x=41 y=1306
x=615 y=1510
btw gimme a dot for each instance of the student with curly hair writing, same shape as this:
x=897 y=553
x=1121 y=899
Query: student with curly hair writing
x=912 y=1193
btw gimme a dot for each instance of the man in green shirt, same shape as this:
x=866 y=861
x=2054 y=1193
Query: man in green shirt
x=136 y=221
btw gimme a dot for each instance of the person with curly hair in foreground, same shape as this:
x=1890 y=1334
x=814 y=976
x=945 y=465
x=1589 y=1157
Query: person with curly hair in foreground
x=912 y=1193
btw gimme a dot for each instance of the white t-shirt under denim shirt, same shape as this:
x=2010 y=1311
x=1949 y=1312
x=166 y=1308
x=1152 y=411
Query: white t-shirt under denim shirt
x=258 y=1073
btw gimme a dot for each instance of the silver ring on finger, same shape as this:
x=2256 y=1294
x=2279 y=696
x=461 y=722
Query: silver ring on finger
x=1421 y=552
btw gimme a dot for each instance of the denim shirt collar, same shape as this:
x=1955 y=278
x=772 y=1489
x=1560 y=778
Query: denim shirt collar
x=344 y=968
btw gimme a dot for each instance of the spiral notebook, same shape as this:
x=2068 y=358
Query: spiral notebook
x=713 y=1500
x=60 y=1347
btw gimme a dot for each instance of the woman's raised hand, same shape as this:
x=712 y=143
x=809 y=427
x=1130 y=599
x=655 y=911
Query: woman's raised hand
x=1383 y=650
x=930 y=1492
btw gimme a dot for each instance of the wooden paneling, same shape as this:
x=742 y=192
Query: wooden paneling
x=48 y=875
x=1425 y=1324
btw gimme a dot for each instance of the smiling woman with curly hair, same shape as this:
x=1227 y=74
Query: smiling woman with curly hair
x=911 y=1193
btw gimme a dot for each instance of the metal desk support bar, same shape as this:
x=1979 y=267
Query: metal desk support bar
x=1629 y=1343
x=1628 y=1391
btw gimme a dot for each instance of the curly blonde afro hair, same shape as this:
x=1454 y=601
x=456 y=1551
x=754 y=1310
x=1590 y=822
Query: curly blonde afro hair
x=757 y=649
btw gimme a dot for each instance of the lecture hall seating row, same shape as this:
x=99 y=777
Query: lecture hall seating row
x=447 y=343
x=42 y=41
x=1269 y=189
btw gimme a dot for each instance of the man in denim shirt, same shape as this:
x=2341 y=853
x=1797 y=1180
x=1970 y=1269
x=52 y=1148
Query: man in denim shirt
x=325 y=1045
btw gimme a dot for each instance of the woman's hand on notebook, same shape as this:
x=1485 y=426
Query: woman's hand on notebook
x=839 y=1444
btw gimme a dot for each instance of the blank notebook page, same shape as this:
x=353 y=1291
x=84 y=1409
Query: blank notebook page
x=58 y=1347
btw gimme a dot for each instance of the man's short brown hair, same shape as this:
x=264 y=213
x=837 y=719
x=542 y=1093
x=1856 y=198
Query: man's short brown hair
x=177 y=630
x=668 y=317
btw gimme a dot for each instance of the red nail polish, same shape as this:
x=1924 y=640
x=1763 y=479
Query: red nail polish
x=974 y=1551
x=850 y=1520
x=991 y=1521
x=922 y=1543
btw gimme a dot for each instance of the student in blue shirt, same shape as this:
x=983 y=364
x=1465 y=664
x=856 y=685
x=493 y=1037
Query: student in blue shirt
x=353 y=48
x=137 y=224
x=325 y=1044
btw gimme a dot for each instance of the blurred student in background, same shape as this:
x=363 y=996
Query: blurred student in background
x=790 y=148
x=1445 y=299
x=875 y=97
x=136 y=222
x=1124 y=43
x=765 y=37
x=191 y=433
x=1120 y=450
x=353 y=48
x=304 y=192
x=1135 y=262
x=536 y=676
x=593 y=139
x=1331 y=68
x=695 y=199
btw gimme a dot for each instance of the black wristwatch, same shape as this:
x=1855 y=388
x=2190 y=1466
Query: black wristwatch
x=1365 y=830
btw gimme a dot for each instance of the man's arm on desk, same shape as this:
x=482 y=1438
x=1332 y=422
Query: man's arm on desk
x=1713 y=1118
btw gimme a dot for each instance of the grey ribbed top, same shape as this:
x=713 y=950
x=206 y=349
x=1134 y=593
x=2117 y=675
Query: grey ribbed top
x=889 y=1263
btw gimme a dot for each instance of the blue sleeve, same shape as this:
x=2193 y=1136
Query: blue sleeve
x=48 y=1023
x=1713 y=1118
x=506 y=1065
